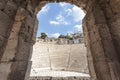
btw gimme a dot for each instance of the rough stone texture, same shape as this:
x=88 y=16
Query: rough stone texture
x=68 y=57
x=89 y=55
x=101 y=29
x=59 y=78
x=4 y=70
x=111 y=12
x=58 y=75
x=104 y=55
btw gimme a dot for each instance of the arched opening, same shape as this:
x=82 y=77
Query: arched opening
x=18 y=32
x=62 y=53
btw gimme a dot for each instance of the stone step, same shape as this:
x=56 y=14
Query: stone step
x=37 y=74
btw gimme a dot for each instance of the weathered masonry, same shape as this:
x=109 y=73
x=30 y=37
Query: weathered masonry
x=18 y=26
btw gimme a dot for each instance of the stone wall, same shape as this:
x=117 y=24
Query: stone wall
x=98 y=35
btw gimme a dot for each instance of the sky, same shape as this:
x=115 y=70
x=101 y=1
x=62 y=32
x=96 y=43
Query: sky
x=59 y=18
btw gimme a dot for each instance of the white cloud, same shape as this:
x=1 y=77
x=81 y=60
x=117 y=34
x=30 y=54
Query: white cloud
x=44 y=10
x=59 y=20
x=63 y=4
x=66 y=8
x=70 y=32
x=68 y=11
x=55 y=35
x=54 y=22
x=78 y=28
x=77 y=14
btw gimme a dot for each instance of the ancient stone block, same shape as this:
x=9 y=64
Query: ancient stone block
x=18 y=70
x=4 y=23
x=2 y=4
x=27 y=75
x=2 y=39
x=12 y=43
x=10 y=9
x=5 y=69
x=23 y=50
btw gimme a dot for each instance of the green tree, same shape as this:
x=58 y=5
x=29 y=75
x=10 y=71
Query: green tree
x=66 y=37
x=62 y=36
x=69 y=37
x=43 y=35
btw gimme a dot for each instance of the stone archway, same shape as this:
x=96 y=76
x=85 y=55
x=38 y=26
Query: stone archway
x=101 y=30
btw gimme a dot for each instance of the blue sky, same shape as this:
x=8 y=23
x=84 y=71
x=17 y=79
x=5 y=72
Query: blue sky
x=59 y=18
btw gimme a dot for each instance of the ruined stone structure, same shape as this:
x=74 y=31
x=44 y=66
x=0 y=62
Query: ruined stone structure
x=101 y=27
x=51 y=60
x=60 y=41
x=67 y=57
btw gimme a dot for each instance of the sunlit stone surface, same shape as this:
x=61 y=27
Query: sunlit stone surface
x=68 y=57
x=38 y=72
